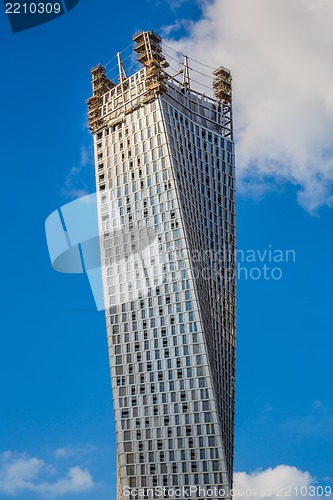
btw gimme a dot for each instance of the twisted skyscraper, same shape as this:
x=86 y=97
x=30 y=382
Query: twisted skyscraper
x=165 y=175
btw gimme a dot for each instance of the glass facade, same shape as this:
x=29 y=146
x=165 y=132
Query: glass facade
x=166 y=202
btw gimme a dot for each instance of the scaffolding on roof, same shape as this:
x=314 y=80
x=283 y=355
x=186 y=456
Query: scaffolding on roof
x=149 y=50
x=100 y=85
x=222 y=85
x=148 y=46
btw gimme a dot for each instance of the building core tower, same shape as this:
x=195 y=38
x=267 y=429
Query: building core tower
x=165 y=175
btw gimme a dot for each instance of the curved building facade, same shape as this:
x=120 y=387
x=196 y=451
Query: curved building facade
x=164 y=159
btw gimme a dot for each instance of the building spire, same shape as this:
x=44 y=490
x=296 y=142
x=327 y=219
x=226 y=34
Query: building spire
x=186 y=74
x=122 y=72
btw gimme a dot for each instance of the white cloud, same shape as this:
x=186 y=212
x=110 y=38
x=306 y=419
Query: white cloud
x=70 y=451
x=274 y=483
x=75 y=187
x=176 y=4
x=64 y=452
x=178 y=25
x=280 y=55
x=77 y=480
x=19 y=473
x=318 y=404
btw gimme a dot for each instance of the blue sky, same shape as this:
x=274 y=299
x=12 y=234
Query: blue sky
x=56 y=405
